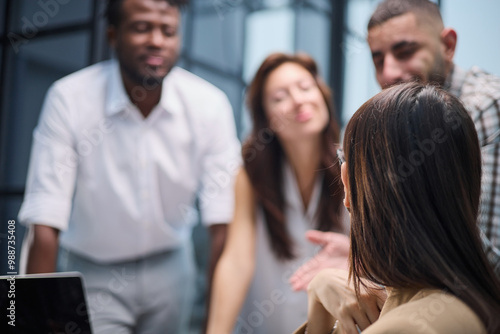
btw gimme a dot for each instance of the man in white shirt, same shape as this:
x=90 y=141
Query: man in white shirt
x=121 y=152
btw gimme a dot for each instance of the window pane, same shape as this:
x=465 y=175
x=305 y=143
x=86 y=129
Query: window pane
x=325 y=5
x=30 y=72
x=1 y=56
x=213 y=5
x=2 y=16
x=218 y=40
x=230 y=86
x=360 y=83
x=29 y=16
x=267 y=31
x=473 y=20
x=313 y=30
x=273 y=3
x=182 y=63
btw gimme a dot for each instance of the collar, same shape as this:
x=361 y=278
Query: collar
x=117 y=99
x=173 y=99
x=455 y=81
x=292 y=191
x=400 y=296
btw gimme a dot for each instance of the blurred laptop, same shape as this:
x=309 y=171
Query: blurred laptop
x=44 y=303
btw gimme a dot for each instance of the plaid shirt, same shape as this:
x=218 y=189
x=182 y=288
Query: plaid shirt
x=480 y=93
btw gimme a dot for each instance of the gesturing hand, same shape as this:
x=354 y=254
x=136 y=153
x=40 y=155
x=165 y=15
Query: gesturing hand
x=334 y=254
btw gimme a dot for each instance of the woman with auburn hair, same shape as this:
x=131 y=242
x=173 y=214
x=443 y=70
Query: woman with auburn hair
x=412 y=179
x=290 y=183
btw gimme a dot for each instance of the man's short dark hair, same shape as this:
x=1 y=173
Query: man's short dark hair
x=389 y=9
x=114 y=13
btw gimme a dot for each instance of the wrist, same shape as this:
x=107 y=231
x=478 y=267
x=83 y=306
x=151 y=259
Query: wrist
x=330 y=332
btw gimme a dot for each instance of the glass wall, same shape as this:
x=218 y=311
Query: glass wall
x=478 y=30
x=41 y=42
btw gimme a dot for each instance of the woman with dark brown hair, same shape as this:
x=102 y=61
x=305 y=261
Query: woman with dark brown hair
x=412 y=178
x=290 y=183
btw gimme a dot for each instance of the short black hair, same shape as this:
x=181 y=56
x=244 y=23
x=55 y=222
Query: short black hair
x=389 y=9
x=113 y=10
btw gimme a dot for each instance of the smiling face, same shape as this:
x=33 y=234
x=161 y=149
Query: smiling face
x=147 y=40
x=294 y=103
x=405 y=48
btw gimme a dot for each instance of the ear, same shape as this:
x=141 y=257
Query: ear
x=347 y=189
x=449 y=42
x=112 y=35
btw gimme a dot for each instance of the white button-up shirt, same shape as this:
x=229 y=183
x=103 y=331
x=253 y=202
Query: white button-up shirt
x=121 y=186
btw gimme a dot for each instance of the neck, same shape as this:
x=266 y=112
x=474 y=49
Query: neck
x=448 y=73
x=144 y=97
x=304 y=158
x=400 y=296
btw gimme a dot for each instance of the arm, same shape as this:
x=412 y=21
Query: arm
x=332 y=298
x=50 y=184
x=492 y=253
x=218 y=234
x=489 y=136
x=235 y=268
x=334 y=254
x=42 y=254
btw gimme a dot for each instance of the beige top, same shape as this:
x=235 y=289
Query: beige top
x=422 y=311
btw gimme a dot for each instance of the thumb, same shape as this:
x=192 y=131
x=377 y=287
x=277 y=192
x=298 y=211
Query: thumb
x=318 y=237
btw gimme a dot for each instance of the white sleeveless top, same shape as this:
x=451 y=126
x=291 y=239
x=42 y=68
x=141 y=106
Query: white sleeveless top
x=271 y=306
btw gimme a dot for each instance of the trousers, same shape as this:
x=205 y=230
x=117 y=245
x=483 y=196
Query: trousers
x=149 y=295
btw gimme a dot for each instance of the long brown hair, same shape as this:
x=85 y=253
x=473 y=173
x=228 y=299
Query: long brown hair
x=263 y=157
x=414 y=170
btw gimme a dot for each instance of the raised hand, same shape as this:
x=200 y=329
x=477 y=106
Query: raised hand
x=334 y=254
